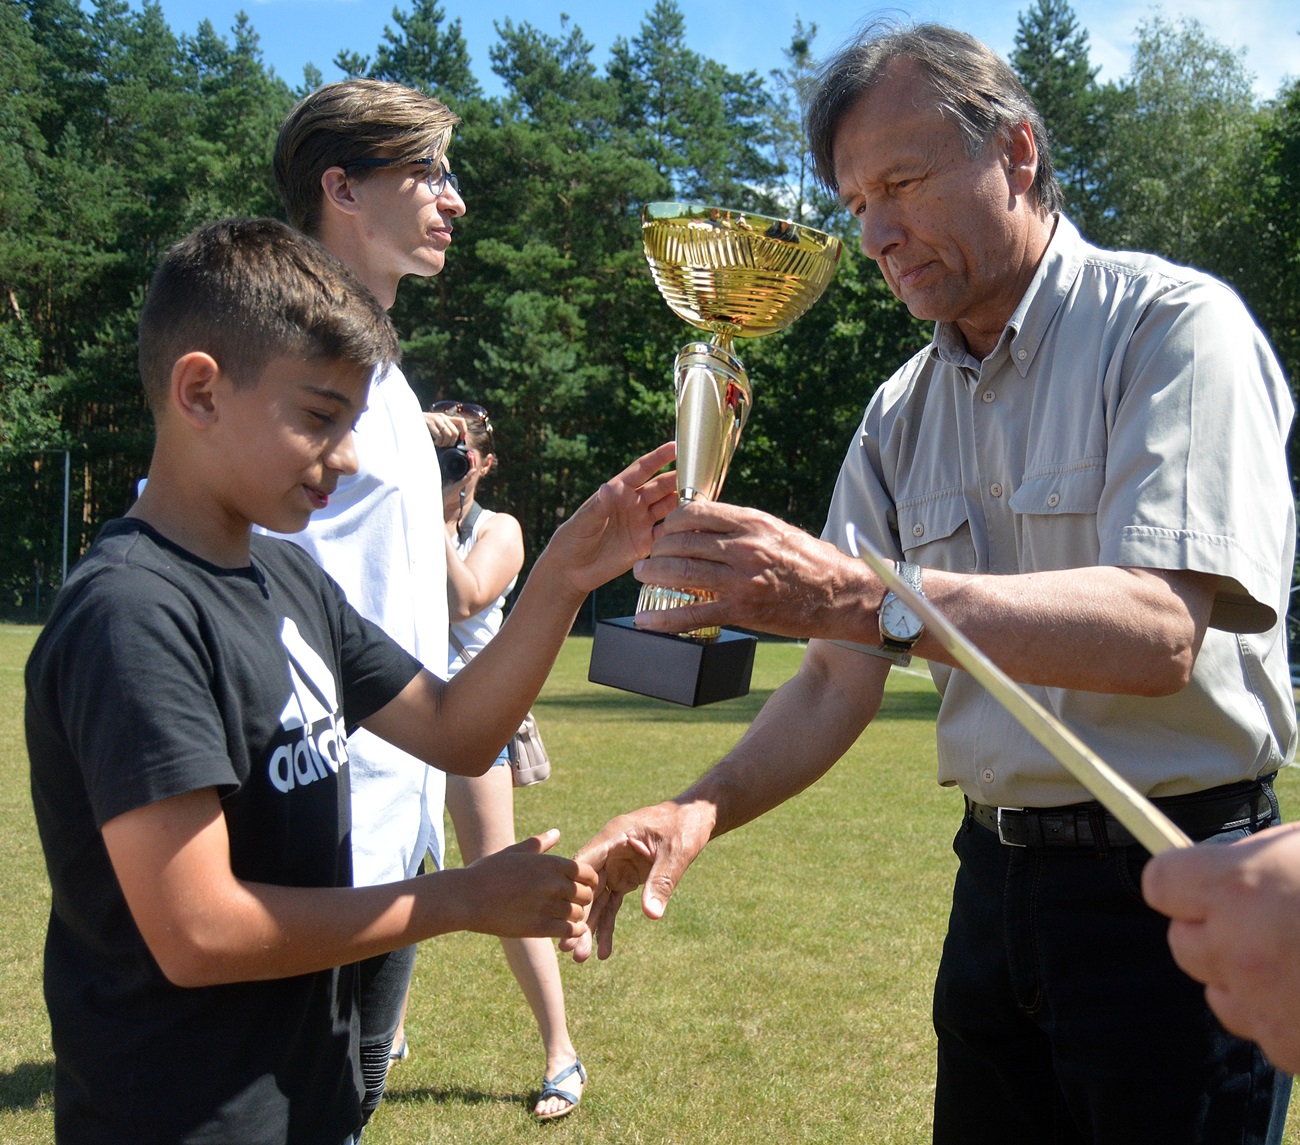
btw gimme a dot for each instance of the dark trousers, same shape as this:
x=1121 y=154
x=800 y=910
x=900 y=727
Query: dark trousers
x=383 y=983
x=1063 y=1020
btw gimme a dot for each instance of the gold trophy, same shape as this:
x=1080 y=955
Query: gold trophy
x=734 y=275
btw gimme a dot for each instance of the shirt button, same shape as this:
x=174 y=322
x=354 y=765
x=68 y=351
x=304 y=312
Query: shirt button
x=987 y=775
x=1053 y=499
x=989 y=397
x=1022 y=354
x=918 y=530
x=995 y=489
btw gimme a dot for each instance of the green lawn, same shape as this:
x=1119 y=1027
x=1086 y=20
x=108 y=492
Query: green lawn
x=785 y=996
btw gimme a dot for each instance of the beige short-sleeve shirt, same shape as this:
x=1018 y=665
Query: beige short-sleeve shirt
x=1132 y=414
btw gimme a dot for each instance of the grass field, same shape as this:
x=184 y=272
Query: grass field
x=784 y=997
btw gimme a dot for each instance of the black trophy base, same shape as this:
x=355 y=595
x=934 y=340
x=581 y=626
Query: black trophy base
x=674 y=668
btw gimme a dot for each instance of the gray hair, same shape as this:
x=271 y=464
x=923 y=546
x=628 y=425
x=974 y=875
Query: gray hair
x=973 y=87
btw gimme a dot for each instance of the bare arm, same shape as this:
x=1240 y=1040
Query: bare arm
x=461 y=725
x=204 y=926
x=1125 y=631
x=806 y=726
x=475 y=581
x=801 y=732
x=1104 y=629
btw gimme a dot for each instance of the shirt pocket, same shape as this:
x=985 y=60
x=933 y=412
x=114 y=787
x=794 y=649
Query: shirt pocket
x=1056 y=513
x=935 y=531
x=1073 y=490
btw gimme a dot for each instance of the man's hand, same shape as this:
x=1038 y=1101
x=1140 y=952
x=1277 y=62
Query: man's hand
x=767 y=575
x=653 y=846
x=520 y=892
x=614 y=526
x=1236 y=927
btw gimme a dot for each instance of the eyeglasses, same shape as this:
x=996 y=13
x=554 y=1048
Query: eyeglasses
x=436 y=182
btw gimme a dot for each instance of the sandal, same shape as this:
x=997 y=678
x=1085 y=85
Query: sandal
x=399 y=1053
x=551 y=1088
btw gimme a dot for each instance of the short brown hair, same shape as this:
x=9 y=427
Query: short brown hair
x=348 y=120
x=249 y=290
x=972 y=85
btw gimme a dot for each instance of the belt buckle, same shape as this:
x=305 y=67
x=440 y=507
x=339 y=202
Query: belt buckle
x=1001 y=836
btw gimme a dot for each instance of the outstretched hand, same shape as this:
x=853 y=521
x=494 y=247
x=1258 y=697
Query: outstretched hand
x=1236 y=927
x=767 y=575
x=614 y=526
x=521 y=892
x=651 y=847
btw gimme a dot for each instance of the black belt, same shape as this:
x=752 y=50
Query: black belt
x=1201 y=815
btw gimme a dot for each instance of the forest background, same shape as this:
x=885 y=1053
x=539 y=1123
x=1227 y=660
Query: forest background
x=117 y=137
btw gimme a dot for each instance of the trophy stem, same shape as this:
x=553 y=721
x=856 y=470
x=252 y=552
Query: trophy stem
x=724 y=338
x=713 y=400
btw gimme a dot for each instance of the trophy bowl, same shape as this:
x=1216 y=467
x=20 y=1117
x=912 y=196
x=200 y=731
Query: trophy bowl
x=733 y=273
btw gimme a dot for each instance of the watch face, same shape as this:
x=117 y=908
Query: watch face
x=897 y=621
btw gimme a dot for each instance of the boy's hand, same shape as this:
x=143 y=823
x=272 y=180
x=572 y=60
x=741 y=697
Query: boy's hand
x=520 y=892
x=614 y=526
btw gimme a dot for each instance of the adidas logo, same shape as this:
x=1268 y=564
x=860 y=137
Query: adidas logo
x=313 y=744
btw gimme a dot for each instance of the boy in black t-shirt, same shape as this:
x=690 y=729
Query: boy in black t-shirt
x=187 y=715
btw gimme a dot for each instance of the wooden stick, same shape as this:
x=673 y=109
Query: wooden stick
x=1144 y=821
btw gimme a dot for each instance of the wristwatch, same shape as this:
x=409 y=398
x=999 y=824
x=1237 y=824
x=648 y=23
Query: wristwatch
x=900 y=627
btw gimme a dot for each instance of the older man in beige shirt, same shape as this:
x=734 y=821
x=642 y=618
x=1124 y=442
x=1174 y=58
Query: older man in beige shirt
x=1086 y=471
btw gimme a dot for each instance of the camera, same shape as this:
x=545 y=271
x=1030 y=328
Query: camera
x=454 y=461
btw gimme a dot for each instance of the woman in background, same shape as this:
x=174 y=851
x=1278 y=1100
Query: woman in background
x=485 y=552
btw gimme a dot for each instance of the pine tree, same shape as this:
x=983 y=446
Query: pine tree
x=707 y=130
x=422 y=53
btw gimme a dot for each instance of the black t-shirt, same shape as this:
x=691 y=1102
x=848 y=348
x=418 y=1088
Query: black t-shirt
x=159 y=674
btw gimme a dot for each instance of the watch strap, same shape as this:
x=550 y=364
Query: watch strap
x=911 y=573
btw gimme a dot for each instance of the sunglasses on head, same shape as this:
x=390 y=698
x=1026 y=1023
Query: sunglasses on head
x=470 y=411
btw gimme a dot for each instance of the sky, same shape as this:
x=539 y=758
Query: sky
x=743 y=35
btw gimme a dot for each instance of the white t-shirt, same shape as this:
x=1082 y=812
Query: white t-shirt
x=380 y=537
